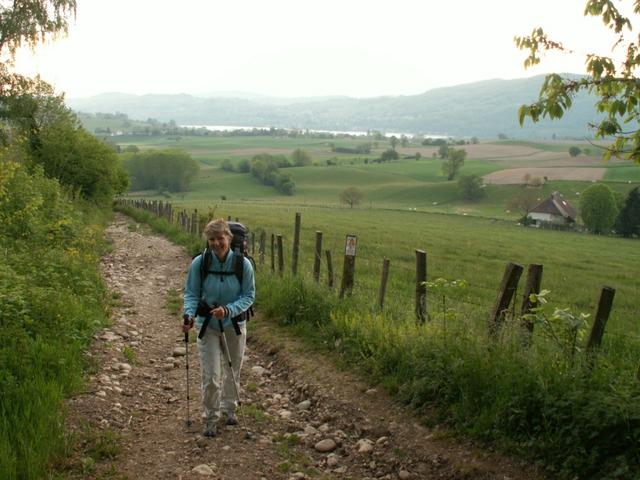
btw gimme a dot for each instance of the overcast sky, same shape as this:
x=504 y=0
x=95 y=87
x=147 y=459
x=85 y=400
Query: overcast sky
x=359 y=48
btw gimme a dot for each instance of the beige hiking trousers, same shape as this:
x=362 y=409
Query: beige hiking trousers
x=218 y=392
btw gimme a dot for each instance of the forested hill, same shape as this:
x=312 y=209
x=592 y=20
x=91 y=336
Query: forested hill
x=484 y=109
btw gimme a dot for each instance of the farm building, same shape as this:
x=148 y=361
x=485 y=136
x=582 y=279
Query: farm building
x=555 y=210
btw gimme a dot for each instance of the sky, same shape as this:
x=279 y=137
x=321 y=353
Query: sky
x=305 y=48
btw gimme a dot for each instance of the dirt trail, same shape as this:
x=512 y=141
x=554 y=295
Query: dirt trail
x=308 y=419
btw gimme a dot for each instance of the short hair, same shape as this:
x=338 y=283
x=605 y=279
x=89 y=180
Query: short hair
x=216 y=227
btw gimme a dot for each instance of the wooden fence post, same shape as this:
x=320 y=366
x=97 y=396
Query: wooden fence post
x=421 y=285
x=296 y=244
x=602 y=315
x=318 y=257
x=263 y=245
x=507 y=291
x=329 y=269
x=534 y=281
x=383 y=282
x=280 y=255
x=349 y=265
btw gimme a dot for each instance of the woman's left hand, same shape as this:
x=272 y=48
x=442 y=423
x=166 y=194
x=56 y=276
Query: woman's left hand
x=218 y=312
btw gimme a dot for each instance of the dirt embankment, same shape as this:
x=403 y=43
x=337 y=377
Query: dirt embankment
x=306 y=418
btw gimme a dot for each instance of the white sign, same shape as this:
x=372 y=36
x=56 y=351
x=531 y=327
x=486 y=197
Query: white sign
x=350 y=245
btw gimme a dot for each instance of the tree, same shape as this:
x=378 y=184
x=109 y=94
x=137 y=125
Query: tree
x=628 y=221
x=598 y=208
x=389 y=154
x=351 y=196
x=300 y=158
x=443 y=151
x=610 y=79
x=30 y=22
x=452 y=164
x=171 y=170
x=227 y=165
x=471 y=187
x=574 y=151
x=394 y=142
x=524 y=201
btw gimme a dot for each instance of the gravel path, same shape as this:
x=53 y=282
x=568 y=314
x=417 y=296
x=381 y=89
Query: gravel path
x=306 y=418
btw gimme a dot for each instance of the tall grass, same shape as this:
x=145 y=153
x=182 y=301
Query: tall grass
x=52 y=300
x=534 y=401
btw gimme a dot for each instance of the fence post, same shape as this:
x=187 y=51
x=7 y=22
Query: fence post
x=349 y=265
x=534 y=281
x=421 y=285
x=273 y=255
x=262 y=245
x=329 y=269
x=317 y=257
x=296 y=244
x=602 y=315
x=507 y=290
x=280 y=255
x=383 y=282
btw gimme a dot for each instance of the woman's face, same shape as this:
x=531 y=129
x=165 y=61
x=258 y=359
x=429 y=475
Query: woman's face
x=219 y=244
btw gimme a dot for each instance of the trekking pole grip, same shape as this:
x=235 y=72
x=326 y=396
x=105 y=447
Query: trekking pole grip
x=186 y=321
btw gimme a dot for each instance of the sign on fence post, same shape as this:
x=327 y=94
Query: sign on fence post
x=421 y=285
x=349 y=265
x=507 y=291
x=296 y=244
x=317 y=258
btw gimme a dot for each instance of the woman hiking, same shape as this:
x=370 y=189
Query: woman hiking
x=221 y=288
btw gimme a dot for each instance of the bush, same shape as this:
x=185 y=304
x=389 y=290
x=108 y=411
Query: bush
x=50 y=306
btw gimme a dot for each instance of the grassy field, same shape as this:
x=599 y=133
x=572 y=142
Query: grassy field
x=450 y=364
x=409 y=204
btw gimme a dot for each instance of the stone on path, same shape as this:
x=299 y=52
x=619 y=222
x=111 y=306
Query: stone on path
x=326 y=445
x=179 y=352
x=364 y=446
x=204 y=470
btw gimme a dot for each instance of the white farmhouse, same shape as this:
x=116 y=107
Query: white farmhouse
x=555 y=210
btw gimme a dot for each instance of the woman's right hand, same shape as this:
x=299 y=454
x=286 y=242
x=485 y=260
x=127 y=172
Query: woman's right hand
x=187 y=323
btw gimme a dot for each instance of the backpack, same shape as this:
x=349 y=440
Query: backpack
x=239 y=246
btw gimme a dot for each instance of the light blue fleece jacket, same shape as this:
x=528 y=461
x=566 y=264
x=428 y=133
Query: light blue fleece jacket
x=221 y=289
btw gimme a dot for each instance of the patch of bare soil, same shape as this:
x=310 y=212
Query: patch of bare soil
x=305 y=417
x=513 y=176
x=255 y=151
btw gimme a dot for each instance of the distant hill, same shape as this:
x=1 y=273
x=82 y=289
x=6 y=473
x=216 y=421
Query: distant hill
x=483 y=109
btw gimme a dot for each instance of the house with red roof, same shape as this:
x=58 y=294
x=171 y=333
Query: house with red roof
x=555 y=210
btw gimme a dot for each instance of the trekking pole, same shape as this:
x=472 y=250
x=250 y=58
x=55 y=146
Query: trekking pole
x=247 y=435
x=187 y=321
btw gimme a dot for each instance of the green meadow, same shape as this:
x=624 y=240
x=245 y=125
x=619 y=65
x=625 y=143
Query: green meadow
x=408 y=204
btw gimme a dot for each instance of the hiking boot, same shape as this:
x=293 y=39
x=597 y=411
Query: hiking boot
x=210 y=429
x=230 y=419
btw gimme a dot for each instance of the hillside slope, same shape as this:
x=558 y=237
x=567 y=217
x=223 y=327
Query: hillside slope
x=483 y=109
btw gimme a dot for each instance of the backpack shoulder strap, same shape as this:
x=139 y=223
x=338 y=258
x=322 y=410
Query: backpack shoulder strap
x=238 y=266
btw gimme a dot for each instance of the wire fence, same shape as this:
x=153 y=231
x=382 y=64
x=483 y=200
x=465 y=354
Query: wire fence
x=502 y=303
